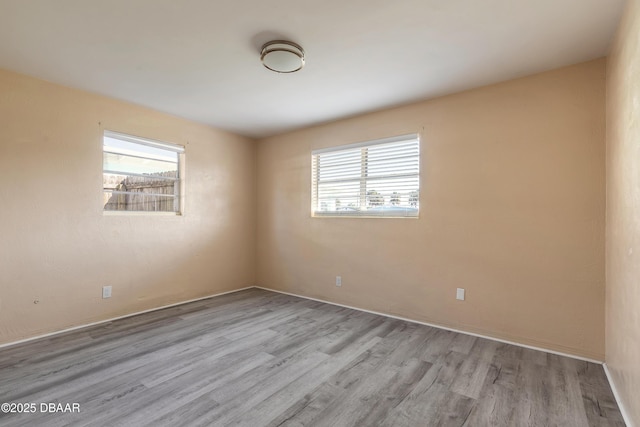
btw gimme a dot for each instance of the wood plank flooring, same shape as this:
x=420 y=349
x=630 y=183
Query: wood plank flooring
x=258 y=358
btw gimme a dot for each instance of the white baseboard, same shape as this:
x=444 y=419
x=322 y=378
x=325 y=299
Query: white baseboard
x=62 y=331
x=612 y=384
x=546 y=350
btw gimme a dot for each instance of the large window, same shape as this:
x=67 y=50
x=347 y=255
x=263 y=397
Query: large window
x=140 y=174
x=377 y=178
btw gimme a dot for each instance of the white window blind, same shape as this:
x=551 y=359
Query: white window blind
x=377 y=178
x=140 y=174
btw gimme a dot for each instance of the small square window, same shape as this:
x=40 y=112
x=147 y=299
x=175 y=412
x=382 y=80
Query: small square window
x=374 y=179
x=140 y=174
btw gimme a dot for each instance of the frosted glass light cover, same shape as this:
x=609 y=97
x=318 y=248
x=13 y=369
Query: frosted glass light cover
x=282 y=57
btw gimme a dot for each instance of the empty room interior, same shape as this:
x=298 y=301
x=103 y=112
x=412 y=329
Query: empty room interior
x=296 y=213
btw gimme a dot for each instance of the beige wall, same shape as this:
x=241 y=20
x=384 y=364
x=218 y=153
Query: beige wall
x=512 y=209
x=58 y=247
x=623 y=212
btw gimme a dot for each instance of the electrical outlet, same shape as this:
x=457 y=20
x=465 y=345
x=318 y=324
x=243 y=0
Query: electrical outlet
x=106 y=292
x=460 y=294
x=338 y=281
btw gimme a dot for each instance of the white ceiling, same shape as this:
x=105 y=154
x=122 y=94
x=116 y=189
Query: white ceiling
x=199 y=59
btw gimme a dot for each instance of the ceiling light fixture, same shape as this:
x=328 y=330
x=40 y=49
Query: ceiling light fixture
x=282 y=56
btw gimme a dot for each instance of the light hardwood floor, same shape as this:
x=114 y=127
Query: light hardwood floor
x=258 y=358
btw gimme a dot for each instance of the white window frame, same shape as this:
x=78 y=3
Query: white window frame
x=178 y=180
x=411 y=208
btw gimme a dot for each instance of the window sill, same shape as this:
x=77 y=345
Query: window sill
x=365 y=216
x=140 y=213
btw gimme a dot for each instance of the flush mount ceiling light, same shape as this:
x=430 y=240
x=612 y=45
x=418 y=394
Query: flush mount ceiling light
x=282 y=56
